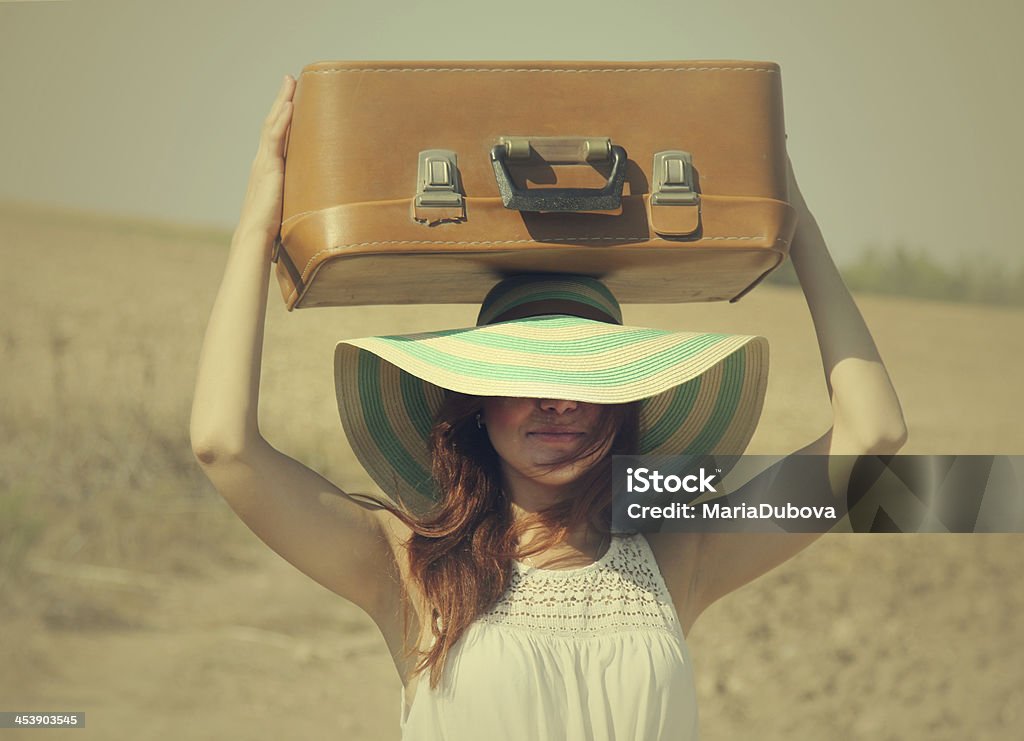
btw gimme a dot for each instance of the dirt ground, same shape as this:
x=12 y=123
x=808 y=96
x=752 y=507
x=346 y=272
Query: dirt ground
x=859 y=637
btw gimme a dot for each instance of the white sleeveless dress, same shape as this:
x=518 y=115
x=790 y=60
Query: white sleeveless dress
x=595 y=652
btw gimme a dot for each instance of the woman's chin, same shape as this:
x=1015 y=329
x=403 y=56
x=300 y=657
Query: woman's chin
x=552 y=474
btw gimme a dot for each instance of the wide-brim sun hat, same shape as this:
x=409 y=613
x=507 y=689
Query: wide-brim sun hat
x=546 y=337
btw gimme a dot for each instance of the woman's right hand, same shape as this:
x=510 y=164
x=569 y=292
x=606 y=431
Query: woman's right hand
x=261 y=209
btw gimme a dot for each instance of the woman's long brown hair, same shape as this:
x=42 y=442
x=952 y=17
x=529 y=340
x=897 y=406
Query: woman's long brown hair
x=460 y=553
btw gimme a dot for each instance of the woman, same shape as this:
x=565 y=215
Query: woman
x=509 y=607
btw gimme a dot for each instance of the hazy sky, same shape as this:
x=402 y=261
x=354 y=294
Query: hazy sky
x=904 y=118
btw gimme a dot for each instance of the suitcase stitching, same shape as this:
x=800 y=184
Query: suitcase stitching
x=535 y=69
x=313 y=258
x=294 y=295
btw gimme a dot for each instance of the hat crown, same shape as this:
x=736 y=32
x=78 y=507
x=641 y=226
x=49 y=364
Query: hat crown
x=543 y=295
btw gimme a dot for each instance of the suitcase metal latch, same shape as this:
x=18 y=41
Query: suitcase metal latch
x=673 y=179
x=438 y=191
x=674 y=185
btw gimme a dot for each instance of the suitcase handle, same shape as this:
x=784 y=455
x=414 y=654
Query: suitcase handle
x=607 y=198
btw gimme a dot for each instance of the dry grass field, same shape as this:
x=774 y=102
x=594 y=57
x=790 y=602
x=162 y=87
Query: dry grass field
x=131 y=592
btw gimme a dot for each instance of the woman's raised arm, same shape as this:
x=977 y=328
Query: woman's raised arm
x=326 y=534
x=224 y=421
x=866 y=418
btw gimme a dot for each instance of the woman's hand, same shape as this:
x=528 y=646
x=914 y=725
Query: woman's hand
x=261 y=209
x=795 y=197
x=796 y=200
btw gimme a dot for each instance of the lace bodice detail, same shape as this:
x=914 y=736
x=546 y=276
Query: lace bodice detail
x=588 y=654
x=619 y=592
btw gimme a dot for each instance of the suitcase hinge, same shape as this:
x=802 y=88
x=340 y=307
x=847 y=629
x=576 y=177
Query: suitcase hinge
x=438 y=191
x=673 y=179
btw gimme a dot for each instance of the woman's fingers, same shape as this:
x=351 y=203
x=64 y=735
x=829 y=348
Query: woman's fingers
x=284 y=94
x=796 y=198
x=276 y=123
x=261 y=208
x=276 y=134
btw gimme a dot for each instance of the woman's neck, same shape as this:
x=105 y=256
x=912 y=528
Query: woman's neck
x=581 y=543
x=528 y=497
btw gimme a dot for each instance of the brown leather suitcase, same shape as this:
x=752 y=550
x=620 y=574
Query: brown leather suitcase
x=427 y=182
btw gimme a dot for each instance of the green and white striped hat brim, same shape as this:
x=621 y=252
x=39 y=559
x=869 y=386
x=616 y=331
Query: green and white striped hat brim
x=702 y=393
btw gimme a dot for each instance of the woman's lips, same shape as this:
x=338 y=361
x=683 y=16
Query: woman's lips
x=556 y=437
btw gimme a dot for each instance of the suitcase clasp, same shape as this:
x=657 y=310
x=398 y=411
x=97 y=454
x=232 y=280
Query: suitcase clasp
x=674 y=185
x=438 y=191
x=673 y=179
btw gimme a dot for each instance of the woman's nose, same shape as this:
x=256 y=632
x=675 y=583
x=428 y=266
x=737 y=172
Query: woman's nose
x=558 y=406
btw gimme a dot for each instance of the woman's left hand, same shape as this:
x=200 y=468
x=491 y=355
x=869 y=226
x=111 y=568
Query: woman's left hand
x=796 y=198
